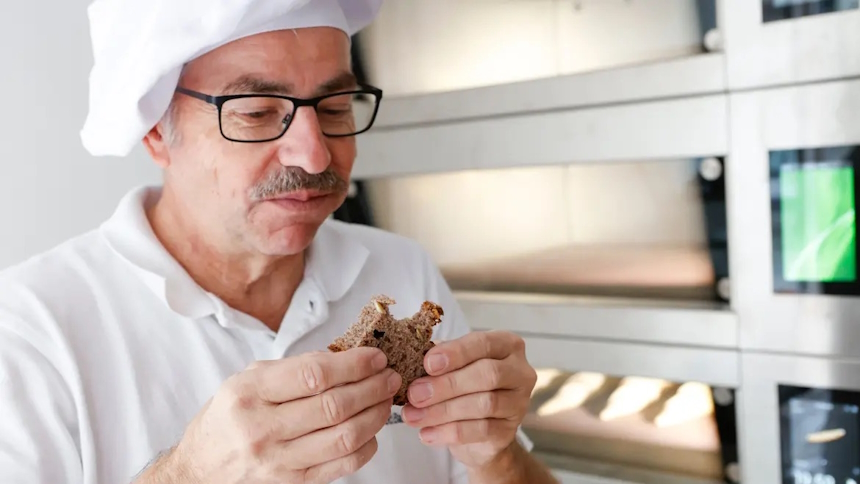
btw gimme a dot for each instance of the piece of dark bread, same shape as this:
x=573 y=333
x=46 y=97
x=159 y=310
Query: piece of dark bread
x=404 y=342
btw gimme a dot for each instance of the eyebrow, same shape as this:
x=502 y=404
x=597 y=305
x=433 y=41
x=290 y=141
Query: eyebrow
x=256 y=85
x=342 y=82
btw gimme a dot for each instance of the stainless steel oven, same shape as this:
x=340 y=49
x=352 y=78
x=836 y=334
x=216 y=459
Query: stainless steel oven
x=792 y=230
x=800 y=420
x=640 y=429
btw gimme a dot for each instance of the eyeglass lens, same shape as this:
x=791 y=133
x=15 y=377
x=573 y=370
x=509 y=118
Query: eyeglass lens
x=265 y=118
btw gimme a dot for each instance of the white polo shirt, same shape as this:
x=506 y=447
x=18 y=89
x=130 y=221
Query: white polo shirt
x=108 y=348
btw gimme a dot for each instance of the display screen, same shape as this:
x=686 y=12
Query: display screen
x=820 y=436
x=815 y=229
x=773 y=10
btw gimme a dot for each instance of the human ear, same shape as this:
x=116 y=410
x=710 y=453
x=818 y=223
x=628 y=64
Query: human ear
x=157 y=146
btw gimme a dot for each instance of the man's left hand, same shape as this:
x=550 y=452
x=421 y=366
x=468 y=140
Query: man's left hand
x=475 y=398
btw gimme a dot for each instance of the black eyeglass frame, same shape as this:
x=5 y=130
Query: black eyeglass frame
x=219 y=101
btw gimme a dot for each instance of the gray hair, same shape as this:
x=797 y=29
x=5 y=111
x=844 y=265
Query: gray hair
x=168 y=123
x=293 y=178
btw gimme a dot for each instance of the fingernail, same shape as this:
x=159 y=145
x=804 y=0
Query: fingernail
x=412 y=414
x=429 y=435
x=420 y=392
x=394 y=382
x=380 y=361
x=437 y=363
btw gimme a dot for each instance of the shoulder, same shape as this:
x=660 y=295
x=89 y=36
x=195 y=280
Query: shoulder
x=41 y=288
x=53 y=268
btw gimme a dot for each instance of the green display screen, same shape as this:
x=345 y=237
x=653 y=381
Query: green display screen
x=817 y=222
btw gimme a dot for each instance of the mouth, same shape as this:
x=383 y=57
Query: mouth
x=302 y=201
x=300 y=196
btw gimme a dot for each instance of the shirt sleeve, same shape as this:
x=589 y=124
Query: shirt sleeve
x=38 y=440
x=456 y=326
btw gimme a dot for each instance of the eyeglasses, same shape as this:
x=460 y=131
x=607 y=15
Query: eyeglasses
x=258 y=118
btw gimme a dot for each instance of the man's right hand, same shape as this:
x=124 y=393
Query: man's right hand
x=310 y=419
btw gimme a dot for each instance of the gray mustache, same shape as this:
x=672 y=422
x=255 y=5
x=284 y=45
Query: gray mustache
x=292 y=178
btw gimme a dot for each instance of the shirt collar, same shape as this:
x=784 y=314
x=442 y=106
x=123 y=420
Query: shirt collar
x=334 y=260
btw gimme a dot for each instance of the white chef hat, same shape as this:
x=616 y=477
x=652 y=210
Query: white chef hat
x=141 y=46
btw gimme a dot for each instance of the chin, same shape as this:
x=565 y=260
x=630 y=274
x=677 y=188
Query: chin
x=291 y=240
x=289 y=230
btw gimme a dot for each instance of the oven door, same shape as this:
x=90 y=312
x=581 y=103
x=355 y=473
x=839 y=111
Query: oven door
x=613 y=412
x=800 y=420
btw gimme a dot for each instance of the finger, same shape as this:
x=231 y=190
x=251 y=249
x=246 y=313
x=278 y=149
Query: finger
x=480 y=376
x=335 y=406
x=335 y=442
x=459 y=353
x=289 y=379
x=334 y=470
x=503 y=404
x=468 y=432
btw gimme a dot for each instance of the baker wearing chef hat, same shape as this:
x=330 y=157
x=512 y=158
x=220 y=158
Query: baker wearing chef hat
x=184 y=340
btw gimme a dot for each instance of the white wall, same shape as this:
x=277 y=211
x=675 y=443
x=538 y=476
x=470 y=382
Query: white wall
x=422 y=46
x=50 y=188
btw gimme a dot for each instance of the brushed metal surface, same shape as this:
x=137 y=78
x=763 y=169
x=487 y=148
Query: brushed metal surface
x=717 y=367
x=687 y=76
x=691 y=324
x=668 y=129
x=758 y=420
x=797 y=117
x=815 y=48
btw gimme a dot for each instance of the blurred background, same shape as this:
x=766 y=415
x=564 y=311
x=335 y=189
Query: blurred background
x=659 y=195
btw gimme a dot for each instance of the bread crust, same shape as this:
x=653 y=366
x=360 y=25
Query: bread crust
x=404 y=342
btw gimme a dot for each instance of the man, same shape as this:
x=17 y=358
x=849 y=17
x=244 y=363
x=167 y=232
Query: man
x=184 y=340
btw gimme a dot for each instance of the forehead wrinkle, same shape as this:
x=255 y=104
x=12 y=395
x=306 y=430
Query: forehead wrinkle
x=250 y=84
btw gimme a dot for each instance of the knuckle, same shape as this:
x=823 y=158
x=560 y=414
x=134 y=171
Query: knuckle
x=256 y=441
x=462 y=431
x=482 y=429
x=352 y=464
x=348 y=439
x=333 y=408
x=523 y=404
x=256 y=365
x=488 y=404
x=532 y=378
x=314 y=376
x=458 y=429
x=518 y=343
x=239 y=395
x=384 y=410
x=449 y=382
x=492 y=373
x=358 y=460
x=249 y=438
x=371 y=448
x=365 y=361
x=485 y=339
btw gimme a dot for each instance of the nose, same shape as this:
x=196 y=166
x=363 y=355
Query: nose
x=303 y=145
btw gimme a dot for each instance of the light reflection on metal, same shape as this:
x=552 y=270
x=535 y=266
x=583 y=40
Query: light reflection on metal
x=632 y=396
x=573 y=393
x=693 y=400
